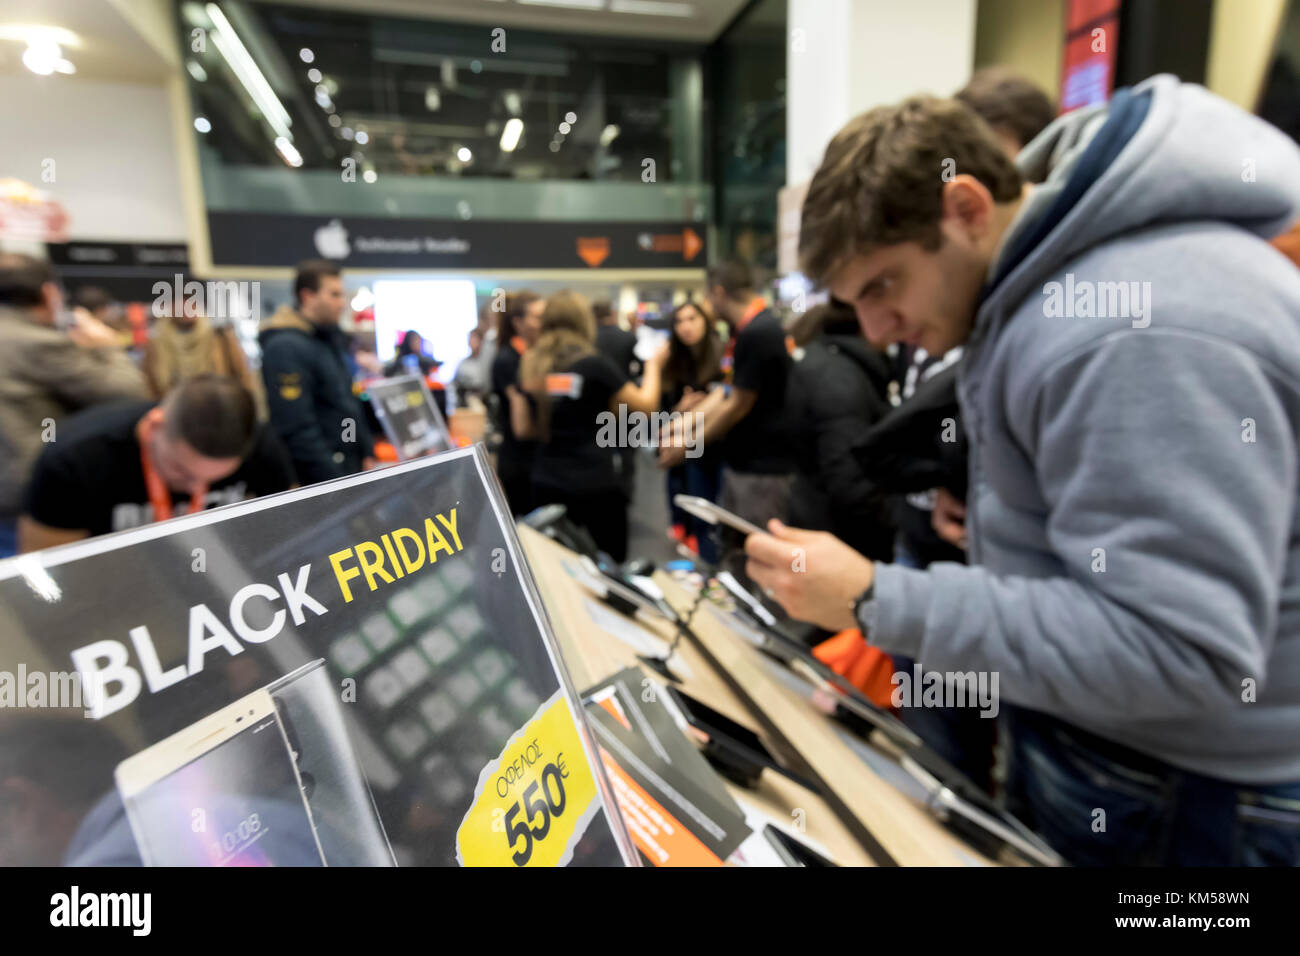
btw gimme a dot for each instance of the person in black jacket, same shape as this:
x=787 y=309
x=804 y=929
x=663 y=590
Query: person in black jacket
x=308 y=386
x=521 y=324
x=837 y=391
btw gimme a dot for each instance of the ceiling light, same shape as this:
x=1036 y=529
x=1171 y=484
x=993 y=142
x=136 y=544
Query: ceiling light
x=652 y=8
x=363 y=299
x=513 y=104
x=42 y=56
x=464 y=155
x=564 y=128
x=306 y=55
x=608 y=134
x=314 y=75
x=370 y=175
x=362 y=137
x=575 y=4
x=232 y=48
x=554 y=147
x=65 y=66
x=346 y=132
x=323 y=98
x=196 y=70
x=514 y=128
x=432 y=101
x=286 y=150
x=201 y=124
x=335 y=121
x=570 y=117
x=475 y=66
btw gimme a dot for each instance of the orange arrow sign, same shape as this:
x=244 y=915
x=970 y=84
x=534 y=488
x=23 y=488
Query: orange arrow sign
x=593 y=251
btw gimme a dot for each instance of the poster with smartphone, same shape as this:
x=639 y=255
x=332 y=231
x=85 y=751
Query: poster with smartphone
x=356 y=673
x=410 y=419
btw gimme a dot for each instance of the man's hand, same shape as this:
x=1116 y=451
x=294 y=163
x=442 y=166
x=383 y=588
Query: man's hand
x=949 y=518
x=814 y=575
x=672 y=450
x=90 y=333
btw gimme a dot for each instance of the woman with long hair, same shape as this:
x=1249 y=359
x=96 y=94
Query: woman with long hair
x=565 y=387
x=694 y=363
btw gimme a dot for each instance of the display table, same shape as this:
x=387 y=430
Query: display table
x=867 y=822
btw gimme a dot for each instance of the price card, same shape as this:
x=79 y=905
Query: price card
x=533 y=803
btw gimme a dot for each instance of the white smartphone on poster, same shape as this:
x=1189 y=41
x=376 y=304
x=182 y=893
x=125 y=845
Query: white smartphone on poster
x=225 y=791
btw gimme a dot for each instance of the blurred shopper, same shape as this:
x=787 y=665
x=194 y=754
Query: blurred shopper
x=521 y=324
x=120 y=465
x=750 y=411
x=100 y=303
x=411 y=357
x=614 y=342
x=1014 y=107
x=837 y=391
x=1132 y=583
x=569 y=393
x=694 y=364
x=52 y=363
x=473 y=378
x=619 y=346
x=184 y=346
x=308 y=386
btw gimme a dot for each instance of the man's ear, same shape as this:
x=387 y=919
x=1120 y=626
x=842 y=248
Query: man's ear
x=968 y=204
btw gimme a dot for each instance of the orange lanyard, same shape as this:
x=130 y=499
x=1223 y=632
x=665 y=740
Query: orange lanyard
x=159 y=496
x=755 y=307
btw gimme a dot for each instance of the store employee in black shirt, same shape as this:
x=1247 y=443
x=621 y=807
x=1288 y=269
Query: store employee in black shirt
x=520 y=325
x=127 y=464
x=572 y=399
x=758 y=452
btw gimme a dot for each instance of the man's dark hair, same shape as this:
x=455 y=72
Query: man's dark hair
x=92 y=298
x=309 y=275
x=21 y=279
x=1009 y=103
x=736 y=277
x=603 y=312
x=212 y=414
x=881 y=180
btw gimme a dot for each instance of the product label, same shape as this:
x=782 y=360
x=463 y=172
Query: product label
x=534 y=802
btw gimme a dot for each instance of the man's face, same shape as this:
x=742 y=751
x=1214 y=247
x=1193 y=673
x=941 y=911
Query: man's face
x=718 y=300
x=325 y=305
x=183 y=469
x=532 y=323
x=907 y=294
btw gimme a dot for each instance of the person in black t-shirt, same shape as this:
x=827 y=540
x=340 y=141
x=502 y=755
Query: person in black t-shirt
x=573 y=399
x=520 y=325
x=751 y=412
x=619 y=346
x=121 y=465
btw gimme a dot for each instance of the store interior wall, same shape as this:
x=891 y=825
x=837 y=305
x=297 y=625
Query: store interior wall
x=1242 y=40
x=1024 y=35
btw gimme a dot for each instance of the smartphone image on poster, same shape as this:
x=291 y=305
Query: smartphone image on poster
x=225 y=791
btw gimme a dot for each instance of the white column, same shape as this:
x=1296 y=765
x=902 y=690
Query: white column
x=846 y=56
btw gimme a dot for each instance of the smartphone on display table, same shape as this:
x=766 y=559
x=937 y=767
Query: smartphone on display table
x=706 y=510
x=225 y=791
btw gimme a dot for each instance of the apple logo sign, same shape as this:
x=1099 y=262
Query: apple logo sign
x=332 y=240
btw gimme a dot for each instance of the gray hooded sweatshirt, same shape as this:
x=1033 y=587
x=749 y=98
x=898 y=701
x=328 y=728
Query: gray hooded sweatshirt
x=1131 y=393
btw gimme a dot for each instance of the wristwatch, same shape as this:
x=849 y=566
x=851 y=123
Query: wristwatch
x=864 y=608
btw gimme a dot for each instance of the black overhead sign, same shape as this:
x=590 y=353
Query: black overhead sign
x=269 y=239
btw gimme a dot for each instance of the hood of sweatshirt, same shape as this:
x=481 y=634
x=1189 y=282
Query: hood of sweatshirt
x=1160 y=153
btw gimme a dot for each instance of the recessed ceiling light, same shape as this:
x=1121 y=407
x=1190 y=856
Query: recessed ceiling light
x=196 y=70
x=335 y=121
x=306 y=55
x=370 y=175
x=201 y=124
x=362 y=137
x=514 y=128
x=314 y=75
x=464 y=155
x=652 y=8
x=564 y=128
x=570 y=117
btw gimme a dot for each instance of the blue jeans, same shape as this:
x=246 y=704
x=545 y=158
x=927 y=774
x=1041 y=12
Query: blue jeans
x=701 y=478
x=8 y=537
x=1100 y=804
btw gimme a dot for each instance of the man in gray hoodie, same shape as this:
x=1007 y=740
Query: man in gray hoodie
x=1131 y=392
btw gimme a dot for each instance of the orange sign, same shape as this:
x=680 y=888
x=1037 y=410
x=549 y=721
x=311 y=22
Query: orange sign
x=593 y=251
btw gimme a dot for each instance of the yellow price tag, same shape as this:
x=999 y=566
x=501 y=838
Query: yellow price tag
x=533 y=803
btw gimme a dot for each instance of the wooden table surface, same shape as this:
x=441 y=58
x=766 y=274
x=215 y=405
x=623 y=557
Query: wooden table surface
x=591 y=655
